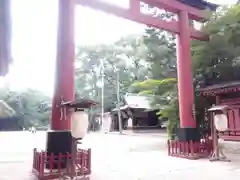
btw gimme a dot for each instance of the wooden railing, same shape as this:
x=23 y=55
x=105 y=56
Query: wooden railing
x=41 y=160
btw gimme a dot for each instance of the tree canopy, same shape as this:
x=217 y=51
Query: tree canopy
x=217 y=60
x=30 y=107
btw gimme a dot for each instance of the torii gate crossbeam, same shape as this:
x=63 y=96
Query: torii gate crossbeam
x=134 y=14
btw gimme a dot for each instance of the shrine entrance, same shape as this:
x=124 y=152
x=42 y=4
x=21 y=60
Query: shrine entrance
x=184 y=10
x=58 y=137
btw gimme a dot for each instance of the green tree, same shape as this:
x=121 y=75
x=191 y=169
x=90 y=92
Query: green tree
x=31 y=107
x=160 y=55
x=124 y=56
x=217 y=61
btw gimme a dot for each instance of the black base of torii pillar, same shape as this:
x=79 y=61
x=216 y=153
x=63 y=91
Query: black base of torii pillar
x=58 y=142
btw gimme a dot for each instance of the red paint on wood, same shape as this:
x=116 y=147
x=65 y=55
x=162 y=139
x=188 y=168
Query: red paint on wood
x=185 y=80
x=82 y=160
x=190 y=150
x=231 y=102
x=237 y=121
x=135 y=6
x=64 y=78
x=233 y=132
x=231 y=121
x=230 y=138
x=176 y=6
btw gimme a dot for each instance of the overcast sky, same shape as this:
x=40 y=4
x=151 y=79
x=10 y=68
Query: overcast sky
x=34 y=38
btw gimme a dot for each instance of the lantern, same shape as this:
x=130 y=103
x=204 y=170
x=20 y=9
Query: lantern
x=221 y=122
x=70 y=139
x=107 y=122
x=79 y=124
x=220 y=119
x=79 y=116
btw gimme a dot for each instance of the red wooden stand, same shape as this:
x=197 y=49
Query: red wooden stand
x=190 y=150
x=40 y=160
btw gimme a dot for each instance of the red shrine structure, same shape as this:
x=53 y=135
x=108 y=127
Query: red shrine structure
x=186 y=10
x=226 y=94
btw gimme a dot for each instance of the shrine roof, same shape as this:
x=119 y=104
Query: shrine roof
x=221 y=85
x=221 y=88
x=218 y=108
x=81 y=103
x=200 y=4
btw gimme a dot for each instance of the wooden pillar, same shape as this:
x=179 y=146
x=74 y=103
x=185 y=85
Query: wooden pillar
x=184 y=68
x=59 y=139
x=64 y=77
x=218 y=99
x=5 y=36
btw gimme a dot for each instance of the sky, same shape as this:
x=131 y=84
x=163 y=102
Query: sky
x=34 y=39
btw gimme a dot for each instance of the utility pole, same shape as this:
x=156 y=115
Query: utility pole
x=118 y=103
x=102 y=96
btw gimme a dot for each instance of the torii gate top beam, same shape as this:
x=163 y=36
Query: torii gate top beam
x=134 y=14
x=177 y=6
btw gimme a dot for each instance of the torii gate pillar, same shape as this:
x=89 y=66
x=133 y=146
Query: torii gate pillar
x=187 y=130
x=59 y=137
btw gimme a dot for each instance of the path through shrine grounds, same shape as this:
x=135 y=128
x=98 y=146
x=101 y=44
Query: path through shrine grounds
x=117 y=157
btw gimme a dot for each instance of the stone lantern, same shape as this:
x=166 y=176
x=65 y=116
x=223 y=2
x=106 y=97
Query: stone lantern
x=218 y=123
x=79 y=126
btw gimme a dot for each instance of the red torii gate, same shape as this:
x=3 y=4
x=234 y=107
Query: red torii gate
x=64 y=87
x=64 y=81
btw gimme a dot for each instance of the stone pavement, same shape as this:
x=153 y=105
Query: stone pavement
x=143 y=133
x=116 y=157
x=142 y=158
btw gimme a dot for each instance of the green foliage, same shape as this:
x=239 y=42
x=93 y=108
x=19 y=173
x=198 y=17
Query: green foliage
x=158 y=87
x=125 y=57
x=171 y=112
x=165 y=100
x=217 y=61
x=161 y=53
x=162 y=82
x=163 y=90
x=6 y=110
x=136 y=58
x=31 y=107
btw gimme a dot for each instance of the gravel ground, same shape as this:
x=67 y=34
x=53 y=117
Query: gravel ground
x=231 y=147
x=115 y=157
